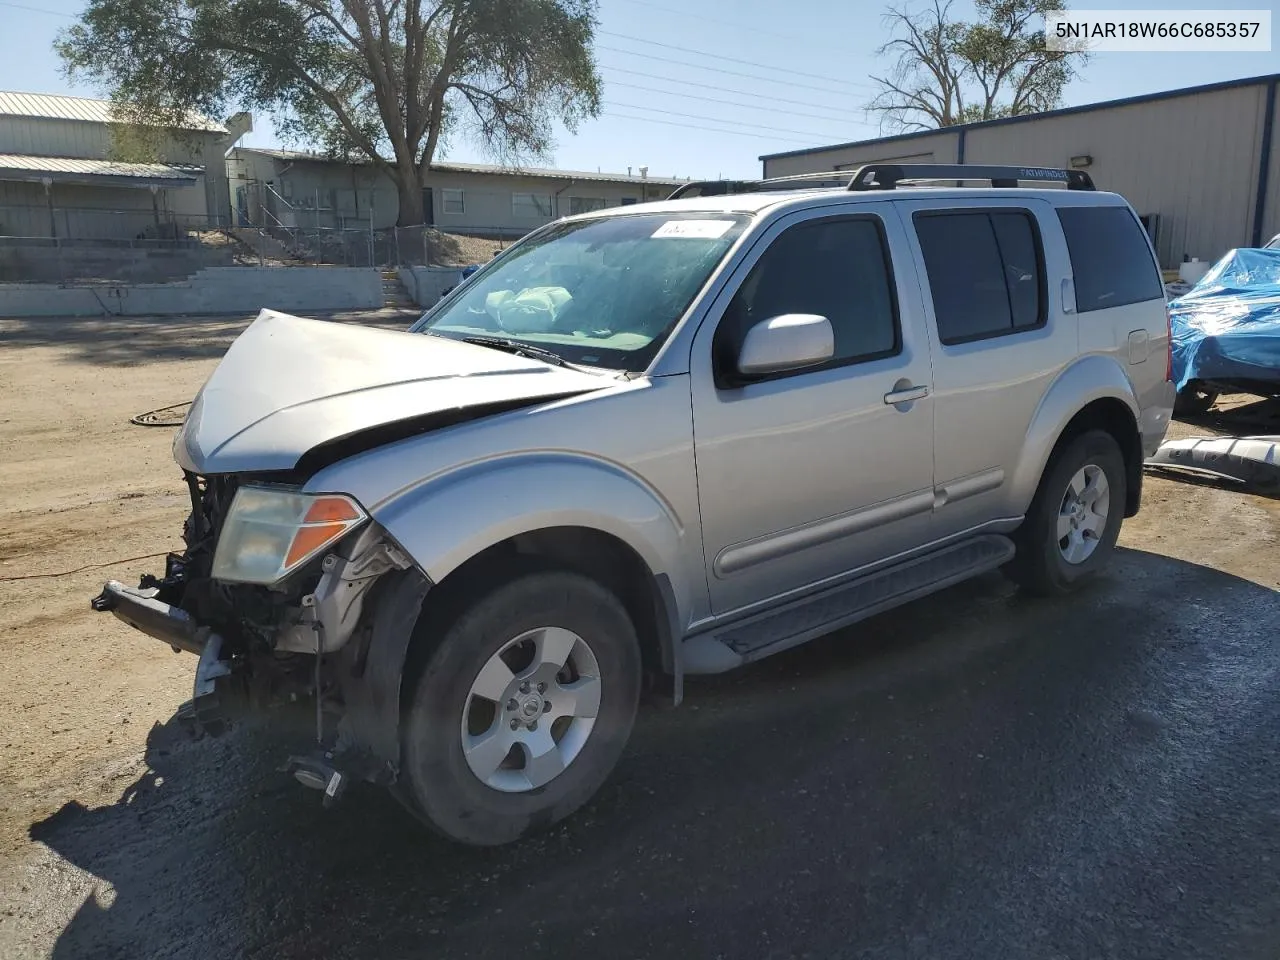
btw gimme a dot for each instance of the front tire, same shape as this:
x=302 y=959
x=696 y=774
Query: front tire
x=1071 y=529
x=522 y=709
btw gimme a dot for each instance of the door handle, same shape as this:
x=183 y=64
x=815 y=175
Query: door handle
x=905 y=395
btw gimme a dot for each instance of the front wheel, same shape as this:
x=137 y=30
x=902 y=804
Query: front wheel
x=1071 y=529
x=522 y=709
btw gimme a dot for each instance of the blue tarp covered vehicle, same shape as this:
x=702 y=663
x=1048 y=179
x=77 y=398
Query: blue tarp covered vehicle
x=1226 y=330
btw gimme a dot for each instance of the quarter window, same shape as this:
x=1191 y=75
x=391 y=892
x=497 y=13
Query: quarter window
x=985 y=273
x=838 y=269
x=1110 y=258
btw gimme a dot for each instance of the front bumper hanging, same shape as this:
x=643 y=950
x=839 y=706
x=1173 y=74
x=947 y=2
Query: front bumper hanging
x=207 y=711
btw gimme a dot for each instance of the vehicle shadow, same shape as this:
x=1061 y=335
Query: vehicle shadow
x=973 y=775
x=129 y=341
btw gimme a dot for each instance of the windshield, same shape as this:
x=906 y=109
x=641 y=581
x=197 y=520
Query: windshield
x=604 y=292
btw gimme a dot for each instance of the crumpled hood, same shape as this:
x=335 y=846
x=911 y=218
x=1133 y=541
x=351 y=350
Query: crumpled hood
x=289 y=385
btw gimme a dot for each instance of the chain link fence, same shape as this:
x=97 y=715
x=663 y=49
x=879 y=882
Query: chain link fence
x=67 y=244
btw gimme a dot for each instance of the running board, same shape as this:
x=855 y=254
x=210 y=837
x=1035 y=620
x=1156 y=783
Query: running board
x=813 y=616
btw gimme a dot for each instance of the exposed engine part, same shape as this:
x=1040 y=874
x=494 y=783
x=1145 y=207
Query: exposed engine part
x=337 y=601
x=1252 y=461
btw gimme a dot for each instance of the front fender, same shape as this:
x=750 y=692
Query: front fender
x=1089 y=379
x=445 y=521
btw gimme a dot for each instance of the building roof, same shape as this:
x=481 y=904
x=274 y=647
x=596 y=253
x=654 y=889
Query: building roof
x=487 y=168
x=52 y=106
x=65 y=170
x=1269 y=78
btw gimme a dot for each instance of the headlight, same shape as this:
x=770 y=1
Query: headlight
x=269 y=533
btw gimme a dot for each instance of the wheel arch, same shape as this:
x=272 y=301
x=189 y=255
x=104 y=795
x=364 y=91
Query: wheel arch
x=1094 y=393
x=648 y=596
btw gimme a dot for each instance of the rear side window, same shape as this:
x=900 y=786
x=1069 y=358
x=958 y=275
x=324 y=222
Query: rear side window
x=1110 y=258
x=985 y=272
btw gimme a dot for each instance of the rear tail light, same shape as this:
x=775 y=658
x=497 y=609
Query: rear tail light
x=1168 y=326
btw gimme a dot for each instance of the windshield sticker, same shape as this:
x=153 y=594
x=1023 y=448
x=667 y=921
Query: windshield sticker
x=697 y=229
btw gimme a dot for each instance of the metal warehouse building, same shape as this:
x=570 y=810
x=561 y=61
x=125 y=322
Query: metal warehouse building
x=1199 y=164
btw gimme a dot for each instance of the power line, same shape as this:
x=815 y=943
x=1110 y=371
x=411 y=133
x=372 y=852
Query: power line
x=749 y=63
x=712 y=86
x=731 y=103
x=706 y=129
x=808 y=40
x=696 y=116
x=23 y=6
x=731 y=73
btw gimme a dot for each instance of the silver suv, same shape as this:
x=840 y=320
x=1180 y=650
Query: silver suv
x=661 y=440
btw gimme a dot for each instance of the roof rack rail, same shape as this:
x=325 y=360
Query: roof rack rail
x=887 y=176
x=719 y=188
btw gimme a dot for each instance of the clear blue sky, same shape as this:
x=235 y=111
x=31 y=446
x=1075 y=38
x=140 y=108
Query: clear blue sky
x=665 y=108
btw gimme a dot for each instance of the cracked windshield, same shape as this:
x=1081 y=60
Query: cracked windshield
x=602 y=292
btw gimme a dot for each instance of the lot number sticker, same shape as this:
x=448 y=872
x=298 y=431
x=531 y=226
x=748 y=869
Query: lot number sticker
x=697 y=229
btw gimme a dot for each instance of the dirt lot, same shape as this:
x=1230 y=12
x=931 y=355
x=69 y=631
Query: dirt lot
x=117 y=839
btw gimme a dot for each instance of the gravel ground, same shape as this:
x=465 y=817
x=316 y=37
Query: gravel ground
x=972 y=776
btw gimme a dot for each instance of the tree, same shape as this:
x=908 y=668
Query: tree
x=948 y=71
x=384 y=80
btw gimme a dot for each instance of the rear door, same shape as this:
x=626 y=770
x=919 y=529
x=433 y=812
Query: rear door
x=993 y=269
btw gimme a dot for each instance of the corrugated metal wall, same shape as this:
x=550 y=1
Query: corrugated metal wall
x=1190 y=160
x=1271 y=206
x=938 y=148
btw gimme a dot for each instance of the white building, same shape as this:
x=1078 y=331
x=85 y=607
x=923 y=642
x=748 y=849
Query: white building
x=288 y=188
x=61 y=176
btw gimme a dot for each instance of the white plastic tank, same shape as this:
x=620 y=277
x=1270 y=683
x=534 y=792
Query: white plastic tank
x=1193 y=270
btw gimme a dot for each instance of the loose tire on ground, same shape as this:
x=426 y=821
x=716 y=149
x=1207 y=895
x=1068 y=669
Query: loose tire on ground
x=1194 y=399
x=1056 y=555
x=444 y=744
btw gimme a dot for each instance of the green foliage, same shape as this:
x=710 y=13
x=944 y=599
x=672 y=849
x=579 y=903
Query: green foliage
x=382 y=80
x=949 y=71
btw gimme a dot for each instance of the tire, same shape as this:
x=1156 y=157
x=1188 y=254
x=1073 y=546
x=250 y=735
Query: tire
x=1194 y=399
x=1048 y=566
x=447 y=734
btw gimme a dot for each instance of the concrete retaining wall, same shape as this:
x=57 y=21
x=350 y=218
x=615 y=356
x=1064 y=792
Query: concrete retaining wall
x=216 y=290
x=426 y=285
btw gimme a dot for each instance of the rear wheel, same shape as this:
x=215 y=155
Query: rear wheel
x=522 y=709
x=1071 y=529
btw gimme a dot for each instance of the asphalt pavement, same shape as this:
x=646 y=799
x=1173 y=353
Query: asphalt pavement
x=975 y=776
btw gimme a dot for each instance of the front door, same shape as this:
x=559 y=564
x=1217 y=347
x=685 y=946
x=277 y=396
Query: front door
x=428 y=207
x=810 y=474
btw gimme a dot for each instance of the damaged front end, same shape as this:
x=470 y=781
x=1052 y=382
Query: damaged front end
x=271 y=593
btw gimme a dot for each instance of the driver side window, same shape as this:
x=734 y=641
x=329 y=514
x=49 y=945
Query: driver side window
x=837 y=268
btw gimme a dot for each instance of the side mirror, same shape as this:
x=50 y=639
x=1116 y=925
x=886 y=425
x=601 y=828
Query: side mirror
x=791 y=341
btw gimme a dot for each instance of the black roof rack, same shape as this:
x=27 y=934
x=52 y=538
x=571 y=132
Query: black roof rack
x=719 y=188
x=887 y=176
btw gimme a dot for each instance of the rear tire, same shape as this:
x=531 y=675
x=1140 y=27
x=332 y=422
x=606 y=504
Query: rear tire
x=1071 y=529
x=499 y=738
